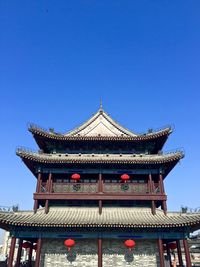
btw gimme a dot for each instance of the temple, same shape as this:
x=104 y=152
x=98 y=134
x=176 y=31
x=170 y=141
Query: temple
x=100 y=199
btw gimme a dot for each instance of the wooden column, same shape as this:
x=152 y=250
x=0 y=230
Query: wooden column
x=30 y=254
x=100 y=190
x=161 y=255
x=180 y=259
x=11 y=252
x=150 y=183
x=153 y=207
x=38 y=188
x=150 y=188
x=49 y=182
x=38 y=252
x=48 y=189
x=19 y=252
x=169 y=254
x=162 y=191
x=99 y=252
x=187 y=253
x=164 y=206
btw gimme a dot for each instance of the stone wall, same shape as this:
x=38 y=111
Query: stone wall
x=84 y=254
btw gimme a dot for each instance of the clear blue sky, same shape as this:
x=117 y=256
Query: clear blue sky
x=58 y=58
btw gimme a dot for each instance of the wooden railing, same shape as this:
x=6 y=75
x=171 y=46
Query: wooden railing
x=113 y=188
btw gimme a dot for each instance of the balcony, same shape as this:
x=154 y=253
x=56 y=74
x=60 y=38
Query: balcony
x=99 y=191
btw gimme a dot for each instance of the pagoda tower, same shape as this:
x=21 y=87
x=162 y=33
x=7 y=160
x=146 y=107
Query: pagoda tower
x=100 y=199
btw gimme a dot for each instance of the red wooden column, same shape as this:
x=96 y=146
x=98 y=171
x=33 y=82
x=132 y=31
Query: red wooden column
x=19 y=252
x=180 y=260
x=187 y=253
x=162 y=191
x=150 y=188
x=12 y=251
x=99 y=252
x=48 y=188
x=100 y=190
x=38 y=187
x=161 y=255
x=38 y=252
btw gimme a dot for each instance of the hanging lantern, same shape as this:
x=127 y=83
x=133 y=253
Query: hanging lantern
x=172 y=246
x=69 y=243
x=125 y=177
x=26 y=245
x=129 y=244
x=35 y=247
x=76 y=176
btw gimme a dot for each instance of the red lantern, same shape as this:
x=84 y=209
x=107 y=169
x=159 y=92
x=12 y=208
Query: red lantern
x=75 y=176
x=35 y=247
x=69 y=243
x=125 y=177
x=129 y=244
x=172 y=246
x=26 y=245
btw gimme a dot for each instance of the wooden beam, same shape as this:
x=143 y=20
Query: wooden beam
x=11 y=252
x=38 y=252
x=99 y=252
x=161 y=255
x=98 y=196
x=187 y=253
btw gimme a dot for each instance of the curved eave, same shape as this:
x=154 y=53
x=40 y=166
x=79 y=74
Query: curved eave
x=81 y=217
x=143 y=137
x=98 y=158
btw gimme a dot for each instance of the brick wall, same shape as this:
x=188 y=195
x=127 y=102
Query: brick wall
x=84 y=254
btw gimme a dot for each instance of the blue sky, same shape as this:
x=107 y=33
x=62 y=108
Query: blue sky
x=58 y=58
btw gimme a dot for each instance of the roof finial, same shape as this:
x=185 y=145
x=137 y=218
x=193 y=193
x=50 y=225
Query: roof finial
x=101 y=105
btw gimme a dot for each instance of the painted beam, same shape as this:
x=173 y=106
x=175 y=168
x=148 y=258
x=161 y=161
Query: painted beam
x=103 y=171
x=98 y=196
x=96 y=233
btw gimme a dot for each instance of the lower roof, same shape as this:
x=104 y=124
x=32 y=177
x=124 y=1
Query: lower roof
x=90 y=217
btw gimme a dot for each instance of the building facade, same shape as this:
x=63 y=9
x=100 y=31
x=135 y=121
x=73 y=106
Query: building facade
x=99 y=186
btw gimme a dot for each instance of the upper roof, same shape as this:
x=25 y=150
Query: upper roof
x=90 y=217
x=100 y=124
x=101 y=127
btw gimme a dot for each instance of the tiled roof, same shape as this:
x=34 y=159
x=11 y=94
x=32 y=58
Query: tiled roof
x=99 y=127
x=58 y=136
x=100 y=158
x=89 y=217
x=100 y=124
